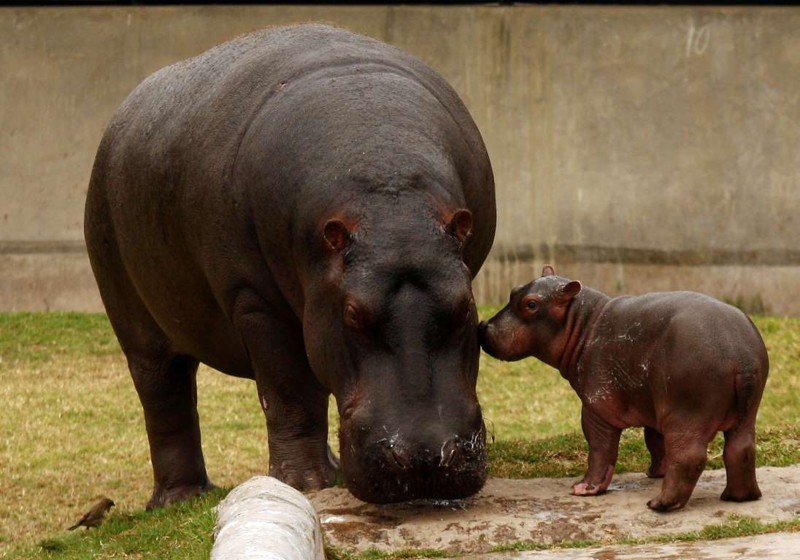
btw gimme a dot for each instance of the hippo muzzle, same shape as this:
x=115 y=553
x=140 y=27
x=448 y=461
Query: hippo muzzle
x=385 y=462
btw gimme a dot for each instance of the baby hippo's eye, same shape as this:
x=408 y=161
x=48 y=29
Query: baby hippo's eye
x=529 y=305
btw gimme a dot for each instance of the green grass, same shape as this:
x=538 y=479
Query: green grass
x=733 y=526
x=172 y=533
x=71 y=429
x=566 y=455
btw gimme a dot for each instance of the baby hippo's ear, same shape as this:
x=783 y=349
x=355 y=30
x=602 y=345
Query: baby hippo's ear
x=570 y=290
x=548 y=270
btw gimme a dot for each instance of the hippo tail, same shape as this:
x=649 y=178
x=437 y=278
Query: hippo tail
x=751 y=377
x=746 y=384
x=749 y=386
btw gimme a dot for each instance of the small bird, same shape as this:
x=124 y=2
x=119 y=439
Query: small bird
x=94 y=517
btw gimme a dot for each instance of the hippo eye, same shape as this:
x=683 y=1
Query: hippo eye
x=352 y=317
x=529 y=305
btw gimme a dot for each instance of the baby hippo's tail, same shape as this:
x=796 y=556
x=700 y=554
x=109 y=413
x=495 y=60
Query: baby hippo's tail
x=746 y=385
x=750 y=381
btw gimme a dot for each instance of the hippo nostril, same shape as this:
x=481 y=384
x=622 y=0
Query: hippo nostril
x=448 y=451
x=423 y=460
x=395 y=457
x=401 y=460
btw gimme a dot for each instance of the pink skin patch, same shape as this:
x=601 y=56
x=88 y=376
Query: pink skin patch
x=586 y=489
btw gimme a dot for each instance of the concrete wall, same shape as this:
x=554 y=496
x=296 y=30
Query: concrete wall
x=635 y=148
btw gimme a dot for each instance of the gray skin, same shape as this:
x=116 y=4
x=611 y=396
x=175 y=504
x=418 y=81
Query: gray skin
x=681 y=364
x=304 y=207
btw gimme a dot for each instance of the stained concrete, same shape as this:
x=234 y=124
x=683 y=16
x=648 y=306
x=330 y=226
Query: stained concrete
x=542 y=511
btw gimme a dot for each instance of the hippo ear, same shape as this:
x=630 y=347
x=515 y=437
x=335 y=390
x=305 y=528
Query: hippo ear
x=460 y=225
x=337 y=235
x=570 y=289
x=548 y=270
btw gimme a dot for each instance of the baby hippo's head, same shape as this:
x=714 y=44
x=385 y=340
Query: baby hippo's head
x=531 y=322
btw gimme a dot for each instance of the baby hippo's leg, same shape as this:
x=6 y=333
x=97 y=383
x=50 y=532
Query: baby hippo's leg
x=603 y=442
x=655 y=445
x=686 y=456
x=740 y=463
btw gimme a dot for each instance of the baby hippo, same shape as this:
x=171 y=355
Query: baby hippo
x=681 y=364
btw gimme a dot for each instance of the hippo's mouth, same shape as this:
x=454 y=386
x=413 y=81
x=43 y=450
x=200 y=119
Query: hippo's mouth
x=375 y=474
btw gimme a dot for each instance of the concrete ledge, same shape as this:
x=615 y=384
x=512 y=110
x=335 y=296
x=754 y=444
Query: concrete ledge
x=63 y=281
x=757 y=289
x=48 y=282
x=542 y=511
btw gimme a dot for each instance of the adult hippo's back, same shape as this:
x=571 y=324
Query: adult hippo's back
x=305 y=207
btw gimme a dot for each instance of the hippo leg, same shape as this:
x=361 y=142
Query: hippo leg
x=655 y=445
x=603 y=442
x=685 y=459
x=299 y=454
x=294 y=402
x=167 y=389
x=739 y=456
x=164 y=380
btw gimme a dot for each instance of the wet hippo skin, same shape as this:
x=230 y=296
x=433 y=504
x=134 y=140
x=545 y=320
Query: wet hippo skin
x=305 y=207
x=681 y=364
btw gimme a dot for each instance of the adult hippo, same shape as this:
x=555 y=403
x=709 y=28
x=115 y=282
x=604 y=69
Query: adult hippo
x=305 y=207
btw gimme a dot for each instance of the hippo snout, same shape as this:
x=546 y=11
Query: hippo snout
x=504 y=337
x=483 y=328
x=485 y=338
x=411 y=465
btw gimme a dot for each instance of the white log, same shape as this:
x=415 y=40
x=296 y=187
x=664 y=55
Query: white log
x=265 y=519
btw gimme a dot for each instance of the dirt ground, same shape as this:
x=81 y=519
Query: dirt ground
x=542 y=510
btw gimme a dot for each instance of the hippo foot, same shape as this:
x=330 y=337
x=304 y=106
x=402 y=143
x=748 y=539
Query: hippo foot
x=663 y=506
x=735 y=495
x=657 y=471
x=300 y=478
x=304 y=476
x=587 y=489
x=165 y=496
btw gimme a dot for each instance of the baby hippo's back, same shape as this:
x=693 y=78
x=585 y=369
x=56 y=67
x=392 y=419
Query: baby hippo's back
x=683 y=322
x=687 y=350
